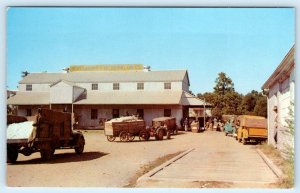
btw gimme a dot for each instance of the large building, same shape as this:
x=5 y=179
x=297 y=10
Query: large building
x=281 y=92
x=98 y=93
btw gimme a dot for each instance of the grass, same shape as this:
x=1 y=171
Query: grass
x=286 y=165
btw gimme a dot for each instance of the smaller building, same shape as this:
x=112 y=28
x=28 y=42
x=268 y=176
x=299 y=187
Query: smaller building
x=280 y=89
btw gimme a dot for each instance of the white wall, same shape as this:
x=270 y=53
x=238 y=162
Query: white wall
x=61 y=93
x=280 y=95
x=86 y=121
x=132 y=86
x=35 y=87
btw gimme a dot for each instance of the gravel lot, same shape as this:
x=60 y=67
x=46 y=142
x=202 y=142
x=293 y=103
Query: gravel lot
x=103 y=163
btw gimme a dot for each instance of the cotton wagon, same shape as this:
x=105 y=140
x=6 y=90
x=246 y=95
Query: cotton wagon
x=126 y=128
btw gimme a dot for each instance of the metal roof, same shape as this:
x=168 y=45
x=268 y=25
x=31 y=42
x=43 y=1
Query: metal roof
x=191 y=100
x=132 y=97
x=283 y=70
x=114 y=98
x=89 y=77
x=29 y=98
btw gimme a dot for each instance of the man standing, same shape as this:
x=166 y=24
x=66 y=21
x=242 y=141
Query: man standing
x=275 y=126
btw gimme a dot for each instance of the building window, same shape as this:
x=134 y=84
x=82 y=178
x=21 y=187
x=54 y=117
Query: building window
x=29 y=87
x=167 y=85
x=115 y=113
x=94 y=86
x=140 y=86
x=94 y=114
x=140 y=113
x=116 y=86
x=167 y=112
x=28 y=112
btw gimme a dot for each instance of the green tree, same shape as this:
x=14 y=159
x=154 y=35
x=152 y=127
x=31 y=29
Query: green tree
x=224 y=84
x=260 y=108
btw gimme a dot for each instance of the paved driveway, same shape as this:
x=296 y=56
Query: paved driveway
x=217 y=159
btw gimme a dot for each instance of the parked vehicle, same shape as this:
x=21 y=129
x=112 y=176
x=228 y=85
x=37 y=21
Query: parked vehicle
x=50 y=130
x=252 y=128
x=126 y=128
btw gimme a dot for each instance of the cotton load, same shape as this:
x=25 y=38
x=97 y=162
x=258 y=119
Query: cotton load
x=19 y=130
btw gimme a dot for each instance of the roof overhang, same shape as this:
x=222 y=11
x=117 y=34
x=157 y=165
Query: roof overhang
x=283 y=71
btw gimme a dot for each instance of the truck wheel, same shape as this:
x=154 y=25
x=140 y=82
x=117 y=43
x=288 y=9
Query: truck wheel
x=80 y=145
x=226 y=133
x=110 y=138
x=144 y=135
x=12 y=154
x=123 y=136
x=168 y=135
x=160 y=134
x=244 y=141
x=47 y=154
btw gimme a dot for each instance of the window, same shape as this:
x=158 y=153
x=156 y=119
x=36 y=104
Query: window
x=115 y=113
x=94 y=114
x=28 y=112
x=29 y=87
x=167 y=85
x=140 y=86
x=94 y=86
x=167 y=112
x=140 y=113
x=116 y=86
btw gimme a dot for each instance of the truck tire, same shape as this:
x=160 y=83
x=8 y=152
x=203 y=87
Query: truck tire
x=144 y=135
x=12 y=154
x=244 y=141
x=110 y=138
x=160 y=134
x=80 y=145
x=168 y=135
x=47 y=154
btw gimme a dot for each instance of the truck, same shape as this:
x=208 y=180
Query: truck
x=47 y=131
x=252 y=128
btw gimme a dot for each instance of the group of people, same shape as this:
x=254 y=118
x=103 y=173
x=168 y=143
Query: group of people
x=214 y=125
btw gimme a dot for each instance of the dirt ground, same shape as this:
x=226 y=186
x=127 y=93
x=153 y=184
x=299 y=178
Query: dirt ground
x=103 y=163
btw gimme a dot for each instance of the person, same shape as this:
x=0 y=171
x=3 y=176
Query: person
x=186 y=124
x=275 y=126
x=215 y=124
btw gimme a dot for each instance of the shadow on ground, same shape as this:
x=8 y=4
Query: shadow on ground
x=64 y=158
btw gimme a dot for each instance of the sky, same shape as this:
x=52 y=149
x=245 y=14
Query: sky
x=245 y=43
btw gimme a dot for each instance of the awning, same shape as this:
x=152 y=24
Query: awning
x=132 y=97
x=188 y=99
x=29 y=98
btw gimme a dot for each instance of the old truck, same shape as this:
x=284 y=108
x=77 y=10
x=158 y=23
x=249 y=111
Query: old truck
x=167 y=124
x=252 y=128
x=49 y=130
x=126 y=128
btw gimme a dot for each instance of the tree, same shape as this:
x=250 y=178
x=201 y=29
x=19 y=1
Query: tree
x=224 y=84
x=260 y=108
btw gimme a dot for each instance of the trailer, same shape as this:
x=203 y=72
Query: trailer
x=49 y=130
x=126 y=128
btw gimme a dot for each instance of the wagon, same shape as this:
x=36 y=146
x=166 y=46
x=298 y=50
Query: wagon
x=126 y=128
